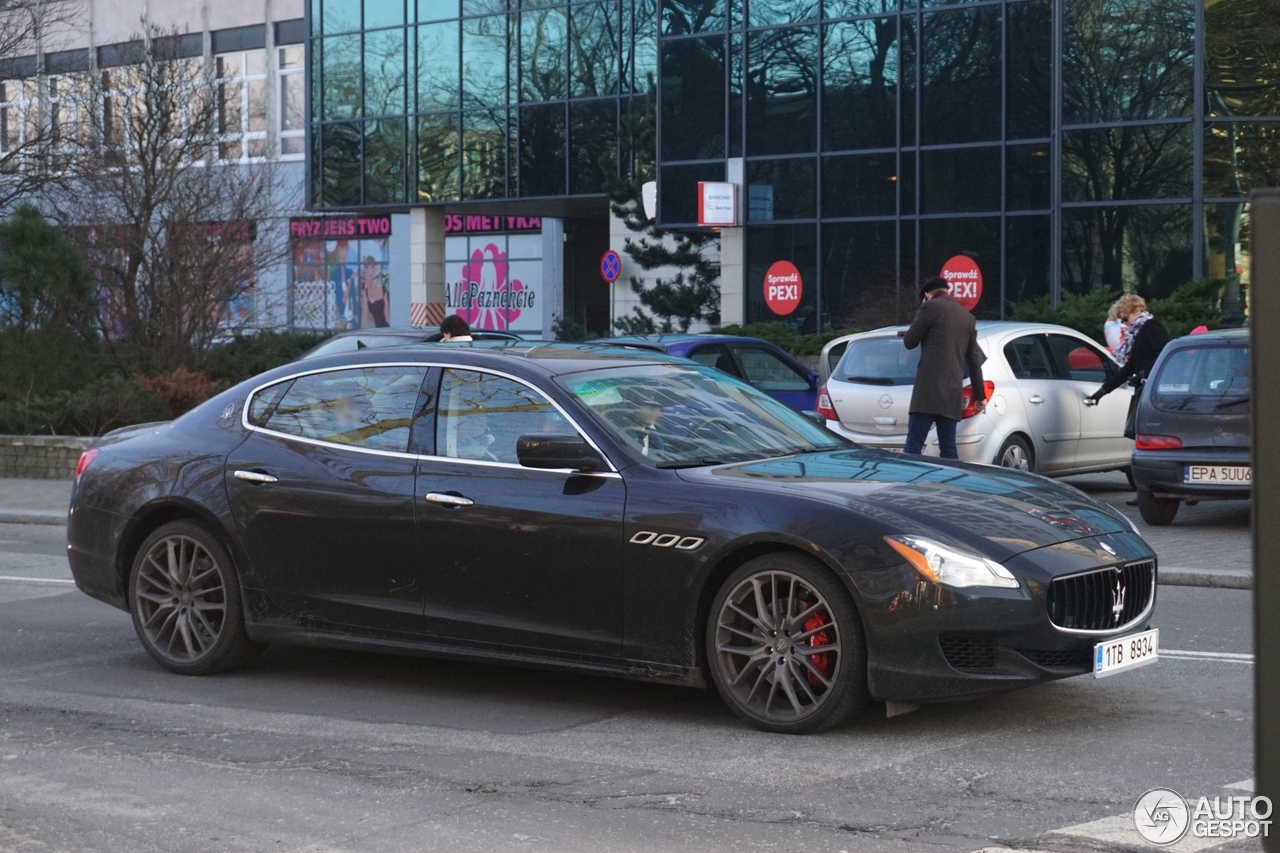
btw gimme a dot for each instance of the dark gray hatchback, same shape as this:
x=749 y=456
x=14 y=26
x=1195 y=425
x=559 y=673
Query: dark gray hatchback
x=1193 y=425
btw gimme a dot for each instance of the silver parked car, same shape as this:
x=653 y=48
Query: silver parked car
x=1038 y=376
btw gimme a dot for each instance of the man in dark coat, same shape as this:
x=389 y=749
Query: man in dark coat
x=948 y=339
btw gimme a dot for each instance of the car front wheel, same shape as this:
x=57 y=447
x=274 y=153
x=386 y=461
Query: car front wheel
x=785 y=646
x=186 y=603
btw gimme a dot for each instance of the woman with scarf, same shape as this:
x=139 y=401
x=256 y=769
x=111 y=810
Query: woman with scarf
x=1137 y=353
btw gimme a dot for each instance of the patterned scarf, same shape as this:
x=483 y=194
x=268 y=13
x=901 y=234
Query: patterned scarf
x=1126 y=346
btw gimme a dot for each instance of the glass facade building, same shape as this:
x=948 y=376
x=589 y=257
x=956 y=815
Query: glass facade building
x=1064 y=145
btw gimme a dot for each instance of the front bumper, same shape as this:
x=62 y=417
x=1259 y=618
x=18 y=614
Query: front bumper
x=972 y=444
x=1160 y=472
x=928 y=643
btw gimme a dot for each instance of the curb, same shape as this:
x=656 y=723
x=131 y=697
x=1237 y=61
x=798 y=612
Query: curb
x=1214 y=578
x=30 y=516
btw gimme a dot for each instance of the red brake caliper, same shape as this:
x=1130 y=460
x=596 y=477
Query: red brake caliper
x=821 y=661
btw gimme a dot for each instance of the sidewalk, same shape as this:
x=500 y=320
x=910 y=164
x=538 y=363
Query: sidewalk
x=1208 y=545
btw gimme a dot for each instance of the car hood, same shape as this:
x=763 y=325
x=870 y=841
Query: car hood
x=998 y=512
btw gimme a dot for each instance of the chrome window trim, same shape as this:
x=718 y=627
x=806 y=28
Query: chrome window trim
x=248 y=403
x=1145 y=614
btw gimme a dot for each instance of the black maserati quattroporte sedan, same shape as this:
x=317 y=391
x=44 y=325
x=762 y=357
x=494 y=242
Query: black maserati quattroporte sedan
x=602 y=510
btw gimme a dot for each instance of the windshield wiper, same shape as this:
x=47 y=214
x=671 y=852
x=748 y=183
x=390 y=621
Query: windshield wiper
x=870 y=380
x=1228 y=403
x=692 y=463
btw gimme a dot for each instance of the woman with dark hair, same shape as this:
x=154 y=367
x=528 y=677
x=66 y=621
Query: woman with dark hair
x=454 y=328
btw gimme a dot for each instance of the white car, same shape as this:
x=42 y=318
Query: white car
x=1036 y=420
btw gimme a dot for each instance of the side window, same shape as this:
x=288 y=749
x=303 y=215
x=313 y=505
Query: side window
x=1079 y=360
x=1028 y=358
x=768 y=372
x=370 y=407
x=716 y=356
x=265 y=402
x=833 y=357
x=481 y=416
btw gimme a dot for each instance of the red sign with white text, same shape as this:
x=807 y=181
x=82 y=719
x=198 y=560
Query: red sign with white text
x=962 y=273
x=783 y=288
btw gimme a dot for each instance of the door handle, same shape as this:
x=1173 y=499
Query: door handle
x=449 y=500
x=255 y=477
x=1036 y=399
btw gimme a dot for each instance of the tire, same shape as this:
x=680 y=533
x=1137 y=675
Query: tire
x=1157 y=511
x=186 y=603
x=767 y=683
x=1016 y=453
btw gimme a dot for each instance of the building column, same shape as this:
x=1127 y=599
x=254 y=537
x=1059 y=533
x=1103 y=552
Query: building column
x=426 y=266
x=552 y=290
x=733 y=274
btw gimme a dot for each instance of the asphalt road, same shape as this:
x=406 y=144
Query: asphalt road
x=313 y=750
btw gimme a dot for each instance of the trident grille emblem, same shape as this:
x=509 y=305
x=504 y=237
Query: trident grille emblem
x=1117 y=600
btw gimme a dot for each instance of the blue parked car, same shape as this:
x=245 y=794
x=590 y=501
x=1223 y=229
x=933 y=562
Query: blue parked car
x=766 y=366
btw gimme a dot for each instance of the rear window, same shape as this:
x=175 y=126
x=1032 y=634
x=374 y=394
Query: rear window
x=878 y=361
x=1209 y=379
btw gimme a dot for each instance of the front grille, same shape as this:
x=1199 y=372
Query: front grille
x=1076 y=659
x=968 y=651
x=1103 y=600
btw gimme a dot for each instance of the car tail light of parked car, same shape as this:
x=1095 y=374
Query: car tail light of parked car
x=1157 y=442
x=970 y=408
x=823 y=405
x=86 y=459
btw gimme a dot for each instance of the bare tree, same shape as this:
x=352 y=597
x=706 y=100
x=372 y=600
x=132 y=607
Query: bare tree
x=170 y=230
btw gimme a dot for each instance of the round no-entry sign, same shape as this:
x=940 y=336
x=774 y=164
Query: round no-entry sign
x=610 y=266
x=783 y=288
x=962 y=273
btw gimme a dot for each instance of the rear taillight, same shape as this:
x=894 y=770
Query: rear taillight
x=969 y=408
x=1157 y=442
x=86 y=459
x=824 y=407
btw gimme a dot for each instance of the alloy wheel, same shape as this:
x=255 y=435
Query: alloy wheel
x=1015 y=456
x=180 y=597
x=778 y=646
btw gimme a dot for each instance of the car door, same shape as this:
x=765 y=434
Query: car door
x=322 y=493
x=1051 y=405
x=717 y=356
x=776 y=376
x=1086 y=367
x=515 y=556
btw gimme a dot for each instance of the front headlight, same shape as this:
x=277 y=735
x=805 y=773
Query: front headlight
x=948 y=566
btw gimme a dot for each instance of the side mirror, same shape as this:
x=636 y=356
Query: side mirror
x=557 y=450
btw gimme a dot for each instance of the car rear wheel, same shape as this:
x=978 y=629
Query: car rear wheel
x=785 y=646
x=186 y=602
x=1157 y=511
x=1016 y=453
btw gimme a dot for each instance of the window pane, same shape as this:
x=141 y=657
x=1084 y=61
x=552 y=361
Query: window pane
x=382 y=13
x=860 y=185
x=960 y=71
x=859 y=84
x=1027 y=177
x=1127 y=59
x=484 y=61
x=1228 y=239
x=1242 y=43
x=767 y=244
x=291 y=57
x=768 y=372
x=542 y=150
x=437 y=10
x=384 y=147
x=1026 y=260
x=543 y=54
x=341 y=16
x=960 y=180
x=692 y=100
x=438 y=157
x=781 y=189
x=860 y=276
x=292 y=92
x=782 y=67
x=1029 y=69
x=678 y=191
x=979 y=238
x=593 y=129
x=849 y=8
x=1077 y=360
x=908 y=39
x=257 y=106
x=1151 y=161
x=1029 y=358
x=341 y=57
x=370 y=407
x=482 y=416
x=264 y=402
x=341 y=163
x=593 y=50
x=230 y=108
x=1239 y=156
x=438 y=66
x=485 y=146
x=771 y=13
x=1144 y=249
x=384 y=74
x=692 y=16
x=643 y=63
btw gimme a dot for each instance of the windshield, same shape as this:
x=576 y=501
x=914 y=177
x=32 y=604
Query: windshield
x=878 y=361
x=1209 y=379
x=679 y=417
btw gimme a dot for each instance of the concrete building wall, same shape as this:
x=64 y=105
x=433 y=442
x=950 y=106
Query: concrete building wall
x=625 y=300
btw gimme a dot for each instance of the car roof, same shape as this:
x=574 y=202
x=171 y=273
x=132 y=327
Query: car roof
x=665 y=340
x=1231 y=335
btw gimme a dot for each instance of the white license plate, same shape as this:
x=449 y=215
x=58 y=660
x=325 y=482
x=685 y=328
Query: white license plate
x=1125 y=653
x=1225 y=475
